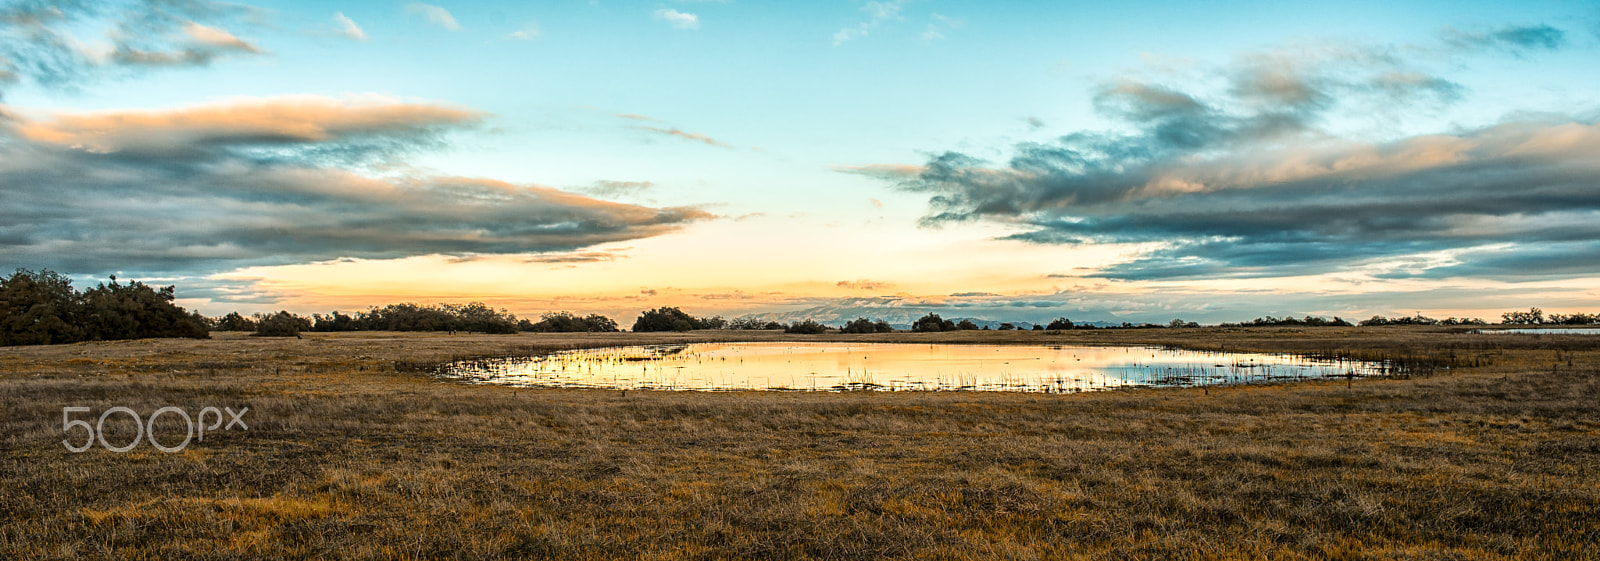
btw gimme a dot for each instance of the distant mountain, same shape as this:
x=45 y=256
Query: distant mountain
x=899 y=313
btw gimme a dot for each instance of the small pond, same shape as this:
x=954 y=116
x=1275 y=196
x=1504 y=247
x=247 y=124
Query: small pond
x=1542 y=331
x=893 y=366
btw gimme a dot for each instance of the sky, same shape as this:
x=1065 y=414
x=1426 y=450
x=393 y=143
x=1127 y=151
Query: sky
x=1129 y=161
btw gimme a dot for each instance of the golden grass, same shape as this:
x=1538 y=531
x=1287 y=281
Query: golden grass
x=349 y=456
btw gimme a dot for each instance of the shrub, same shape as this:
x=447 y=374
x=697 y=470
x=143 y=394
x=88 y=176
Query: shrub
x=567 y=322
x=281 y=324
x=673 y=319
x=1059 y=323
x=966 y=325
x=38 y=308
x=807 y=327
x=932 y=323
x=859 y=325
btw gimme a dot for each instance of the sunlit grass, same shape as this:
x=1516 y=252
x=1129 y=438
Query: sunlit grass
x=350 y=457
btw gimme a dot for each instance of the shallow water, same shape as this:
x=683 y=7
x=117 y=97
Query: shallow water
x=893 y=366
x=1544 y=331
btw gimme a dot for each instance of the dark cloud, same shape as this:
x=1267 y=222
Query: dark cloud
x=1515 y=39
x=1249 y=182
x=573 y=257
x=36 y=46
x=863 y=284
x=615 y=189
x=214 y=187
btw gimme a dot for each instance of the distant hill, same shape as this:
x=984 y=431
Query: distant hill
x=898 y=313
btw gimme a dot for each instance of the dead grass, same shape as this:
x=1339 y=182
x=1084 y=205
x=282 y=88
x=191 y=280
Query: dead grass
x=350 y=457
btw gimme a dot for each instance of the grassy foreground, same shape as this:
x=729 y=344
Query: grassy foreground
x=352 y=452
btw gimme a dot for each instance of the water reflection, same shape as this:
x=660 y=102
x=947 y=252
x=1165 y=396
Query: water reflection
x=1542 y=331
x=894 y=366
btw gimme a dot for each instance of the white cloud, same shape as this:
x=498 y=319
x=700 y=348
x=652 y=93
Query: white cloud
x=877 y=13
x=528 y=32
x=348 y=27
x=436 y=15
x=677 y=19
x=218 y=37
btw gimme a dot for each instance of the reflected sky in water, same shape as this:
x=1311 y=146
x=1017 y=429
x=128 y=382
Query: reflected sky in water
x=893 y=366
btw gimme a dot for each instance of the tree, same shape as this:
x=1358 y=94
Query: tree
x=932 y=323
x=1005 y=326
x=38 y=309
x=859 y=325
x=1533 y=316
x=966 y=325
x=566 y=322
x=664 y=319
x=136 y=311
x=1059 y=324
x=807 y=327
x=281 y=324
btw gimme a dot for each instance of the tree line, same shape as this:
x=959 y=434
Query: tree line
x=42 y=308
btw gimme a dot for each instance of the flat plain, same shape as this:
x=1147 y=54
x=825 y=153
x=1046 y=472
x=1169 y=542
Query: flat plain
x=1485 y=447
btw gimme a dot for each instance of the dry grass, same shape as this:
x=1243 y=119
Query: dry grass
x=349 y=456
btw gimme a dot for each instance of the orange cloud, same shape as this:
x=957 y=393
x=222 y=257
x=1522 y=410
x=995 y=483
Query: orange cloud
x=283 y=119
x=688 y=135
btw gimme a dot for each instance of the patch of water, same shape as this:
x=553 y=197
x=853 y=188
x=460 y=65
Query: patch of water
x=1541 y=331
x=894 y=366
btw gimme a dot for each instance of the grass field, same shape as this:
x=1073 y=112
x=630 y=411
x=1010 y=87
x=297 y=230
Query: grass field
x=1490 y=449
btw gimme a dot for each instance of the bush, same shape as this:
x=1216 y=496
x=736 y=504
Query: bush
x=1059 y=324
x=566 y=322
x=38 y=308
x=932 y=323
x=1008 y=327
x=807 y=327
x=966 y=325
x=281 y=324
x=673 y=319
x=864 y=325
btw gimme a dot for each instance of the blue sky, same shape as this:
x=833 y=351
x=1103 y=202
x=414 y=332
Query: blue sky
x=1022 y=161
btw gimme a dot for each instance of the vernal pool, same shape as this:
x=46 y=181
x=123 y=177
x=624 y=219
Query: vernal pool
x=893 y=366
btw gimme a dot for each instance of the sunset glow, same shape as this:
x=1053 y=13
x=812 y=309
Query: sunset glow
x=1127 y=162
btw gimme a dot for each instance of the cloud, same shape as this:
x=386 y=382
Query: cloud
x=348 y=27
x=648 y=291
x=677 y=19
x=1248 y=183
x=249 y=182
x=1513 y=39
x=435 y=15
x=686 y=135
x=568 y=257
x=38 y=46
x=636 y=117
x=938 y=25
x=877 y=13
x=246 y=122
x=615 y=189
x=891 y=172
x=218 y=38
x=863 y=284
x=527 y=33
